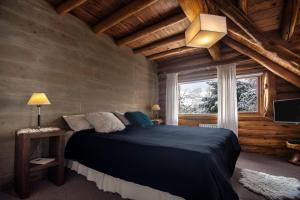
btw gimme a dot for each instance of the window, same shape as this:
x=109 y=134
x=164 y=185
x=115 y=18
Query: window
x=247 y=100
x=198 y=97
x=202 y=97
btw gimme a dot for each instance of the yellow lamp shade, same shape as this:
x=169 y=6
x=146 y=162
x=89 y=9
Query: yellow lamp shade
x=38 y=99
x=205 y=31
x=155 y=107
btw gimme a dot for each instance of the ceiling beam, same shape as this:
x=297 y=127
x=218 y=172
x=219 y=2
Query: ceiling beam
x=194 y=61
x=272 y=66
x=192 y=9
x=239 y=18
x=243 y=5
x=122 y=14
x=152 y=29
x=289 y=18
x=161 y=43
x=68 y=5
x=173 y=52
x=201 y=65
x=215 y=51
x=294 y=57
x=260 y=44
x=287 y=64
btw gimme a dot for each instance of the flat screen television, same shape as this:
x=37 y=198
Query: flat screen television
x=287 y=111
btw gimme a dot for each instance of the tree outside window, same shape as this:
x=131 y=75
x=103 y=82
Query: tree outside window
x=202 y=97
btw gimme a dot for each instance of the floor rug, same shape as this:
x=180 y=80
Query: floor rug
x=271 y=187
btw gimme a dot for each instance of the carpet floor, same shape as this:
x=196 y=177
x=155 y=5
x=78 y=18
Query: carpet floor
x=78 y=188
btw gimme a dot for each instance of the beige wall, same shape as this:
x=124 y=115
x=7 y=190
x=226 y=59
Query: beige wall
x=79 y=71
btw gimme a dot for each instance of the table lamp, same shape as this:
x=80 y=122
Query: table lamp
x=38 y=99
x=155 y=108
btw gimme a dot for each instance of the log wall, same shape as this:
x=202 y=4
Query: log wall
x=256 y=133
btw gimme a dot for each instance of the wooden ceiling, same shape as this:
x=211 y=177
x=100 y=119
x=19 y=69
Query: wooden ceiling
x=267 y=30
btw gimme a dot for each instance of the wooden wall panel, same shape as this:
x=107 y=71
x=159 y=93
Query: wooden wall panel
x=79 y=71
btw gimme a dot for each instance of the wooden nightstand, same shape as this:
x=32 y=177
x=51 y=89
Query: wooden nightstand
x=23 y=167
x=157 y=121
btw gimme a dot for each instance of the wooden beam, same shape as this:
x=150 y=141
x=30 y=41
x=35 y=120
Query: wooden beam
x=205 y=64
x=173 y=52
x=243 y=5
x=161 y=43
x=68 y=5
x=294 y=57
x=274 y=57
x=260 y=44
x=198 y=62
x=273 y=67
x=215 y=51
x=239 y=18
x=152 y=29
x=122 y=14
x=192 y=9
x=289 y=18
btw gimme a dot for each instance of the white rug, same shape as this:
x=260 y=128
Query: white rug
x=271 y=187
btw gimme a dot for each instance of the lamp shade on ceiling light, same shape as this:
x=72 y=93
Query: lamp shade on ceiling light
x=205 y=31
x=155 y=107
x=38 y=99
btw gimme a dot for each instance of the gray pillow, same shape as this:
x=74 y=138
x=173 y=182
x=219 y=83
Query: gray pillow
x=105 y=122
x=122 y=118
x=77 y=122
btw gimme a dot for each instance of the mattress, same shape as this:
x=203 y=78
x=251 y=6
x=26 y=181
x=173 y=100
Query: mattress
x=188 y=162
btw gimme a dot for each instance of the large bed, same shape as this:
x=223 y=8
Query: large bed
x=188 y=162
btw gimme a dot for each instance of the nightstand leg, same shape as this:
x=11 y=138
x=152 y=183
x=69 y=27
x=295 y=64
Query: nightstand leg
x=56 y=174
x=22 y=166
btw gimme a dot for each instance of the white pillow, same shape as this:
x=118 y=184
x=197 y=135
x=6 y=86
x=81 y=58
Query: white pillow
x=77 y=122
x=105 y=122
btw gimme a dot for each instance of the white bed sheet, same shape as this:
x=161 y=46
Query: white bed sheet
x=126 y=189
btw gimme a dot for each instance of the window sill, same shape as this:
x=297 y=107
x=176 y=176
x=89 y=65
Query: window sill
x=214 y=116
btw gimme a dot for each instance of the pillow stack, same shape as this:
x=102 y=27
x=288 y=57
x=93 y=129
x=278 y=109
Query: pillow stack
x=106 y=122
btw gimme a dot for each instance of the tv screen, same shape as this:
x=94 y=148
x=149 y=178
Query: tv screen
x=287 y=111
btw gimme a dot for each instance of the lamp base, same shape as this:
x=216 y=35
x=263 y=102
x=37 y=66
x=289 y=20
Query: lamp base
x=39 y=117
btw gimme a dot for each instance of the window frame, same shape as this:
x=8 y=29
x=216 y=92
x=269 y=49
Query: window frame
x=213 y=116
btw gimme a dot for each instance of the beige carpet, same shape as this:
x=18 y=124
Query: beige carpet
x=77 y=188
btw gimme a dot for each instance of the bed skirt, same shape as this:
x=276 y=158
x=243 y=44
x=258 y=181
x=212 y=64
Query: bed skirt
x=126 y=189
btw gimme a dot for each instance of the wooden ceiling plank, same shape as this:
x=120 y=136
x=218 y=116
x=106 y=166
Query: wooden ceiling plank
x=151 y=29
x=289 y=18
x=164 y=42
x=272 y=66
x=68 y=5
x=122 y=14
x=192 y=9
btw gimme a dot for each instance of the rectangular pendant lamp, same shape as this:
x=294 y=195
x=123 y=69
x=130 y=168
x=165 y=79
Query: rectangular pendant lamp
x=205 y=31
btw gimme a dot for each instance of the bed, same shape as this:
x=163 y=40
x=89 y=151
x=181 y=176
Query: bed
x=185 y=162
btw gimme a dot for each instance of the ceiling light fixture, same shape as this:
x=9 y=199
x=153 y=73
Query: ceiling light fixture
x=205 y=31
